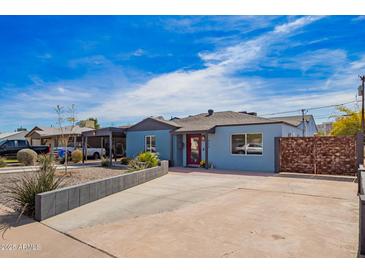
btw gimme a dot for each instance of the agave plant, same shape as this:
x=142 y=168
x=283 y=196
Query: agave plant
x=21 y=195
x=135 y=165
x=143 y=160
x=148 y=158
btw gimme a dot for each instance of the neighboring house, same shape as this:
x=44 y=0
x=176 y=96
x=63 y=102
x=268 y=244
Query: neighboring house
x=310 y=127
x=51 y=135
x=226 y=140
x=325 y=128
x=16 y=135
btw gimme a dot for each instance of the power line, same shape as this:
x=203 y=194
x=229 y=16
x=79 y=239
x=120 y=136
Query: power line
x=313 y=108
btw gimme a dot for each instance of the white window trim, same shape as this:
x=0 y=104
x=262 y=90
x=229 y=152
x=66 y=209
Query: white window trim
x=248 y=155
x=145 y=142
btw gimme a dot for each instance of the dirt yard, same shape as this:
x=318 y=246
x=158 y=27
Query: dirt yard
x=74 y=176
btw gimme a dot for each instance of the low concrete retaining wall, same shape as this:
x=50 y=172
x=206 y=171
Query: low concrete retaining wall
x=361 y=182
x=51 y=203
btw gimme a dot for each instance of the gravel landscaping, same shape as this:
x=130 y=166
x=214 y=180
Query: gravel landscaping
x=74 y=176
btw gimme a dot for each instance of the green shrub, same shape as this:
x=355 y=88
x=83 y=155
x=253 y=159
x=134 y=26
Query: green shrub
x=2 y=162
x=22 y=194
x=202 y=163
x=150 y=159
x=136 y=165
x=144 y=160
x=27 y=157
x=125 y=160
x=105 y=162
x=76 y=156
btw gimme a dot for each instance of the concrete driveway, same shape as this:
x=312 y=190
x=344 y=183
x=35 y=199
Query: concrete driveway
x=191 y=213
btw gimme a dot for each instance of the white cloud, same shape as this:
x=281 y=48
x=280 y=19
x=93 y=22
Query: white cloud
x=322 y=59
x=216 y=86
x=197 y=24
x=113 y=97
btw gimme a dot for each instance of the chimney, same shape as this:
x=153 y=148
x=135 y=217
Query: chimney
x=210 y=112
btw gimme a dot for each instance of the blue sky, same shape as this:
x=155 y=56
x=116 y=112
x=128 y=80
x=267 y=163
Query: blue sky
x=121 y=69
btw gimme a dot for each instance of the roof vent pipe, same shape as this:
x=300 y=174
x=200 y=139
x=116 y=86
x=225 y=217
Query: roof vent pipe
x=210 y=112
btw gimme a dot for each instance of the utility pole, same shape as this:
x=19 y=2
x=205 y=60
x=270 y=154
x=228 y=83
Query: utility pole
x=303 y=122
x=361 y=91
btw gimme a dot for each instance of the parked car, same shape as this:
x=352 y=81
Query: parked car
x=249 y=148
x=11 y=147
x=95 y=153
x=254 y=148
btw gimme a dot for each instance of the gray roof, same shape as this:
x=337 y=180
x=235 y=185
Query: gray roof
x=167 y=122
x=295 y=120
x=54 y=131
x=13 y=135
x=106 y=131
x=205 y=122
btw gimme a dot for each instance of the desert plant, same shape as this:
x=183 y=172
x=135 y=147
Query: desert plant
x=136 y=165
x=144 y=160
x=2 y=162
x=76 y=156
x=202 y=163
x=104 y=162
x=125 y=160
x=22 y=194
x=27 y=157
x=150 y=159
x=64 y=138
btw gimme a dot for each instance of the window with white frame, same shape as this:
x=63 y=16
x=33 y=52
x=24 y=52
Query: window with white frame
x=150 y=143
x=246 y=144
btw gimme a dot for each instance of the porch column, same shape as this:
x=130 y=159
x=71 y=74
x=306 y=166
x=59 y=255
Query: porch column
x=115 y=149
x=110 y=149
x=206 y=151
x=171 y=149
x=85 y=149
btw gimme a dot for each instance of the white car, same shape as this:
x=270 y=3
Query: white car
x=254 y=148
x=249 y=148
x=95 y=153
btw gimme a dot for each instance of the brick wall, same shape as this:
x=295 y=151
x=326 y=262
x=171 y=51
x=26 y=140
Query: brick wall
x=318 y=155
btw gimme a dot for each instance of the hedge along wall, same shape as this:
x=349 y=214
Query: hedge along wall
x=51 y=203
x=320 y=154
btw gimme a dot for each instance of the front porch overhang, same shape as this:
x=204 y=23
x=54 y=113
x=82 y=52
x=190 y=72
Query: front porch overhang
x=202 y=132
x=205 y=134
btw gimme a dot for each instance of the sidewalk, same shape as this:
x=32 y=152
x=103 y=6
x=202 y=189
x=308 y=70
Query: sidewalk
x=18 y=169
x=29 y=239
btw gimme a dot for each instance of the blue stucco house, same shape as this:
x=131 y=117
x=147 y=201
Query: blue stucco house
x=225 y=140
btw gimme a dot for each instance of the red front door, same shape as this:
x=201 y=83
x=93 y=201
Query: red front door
x=194 y=143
